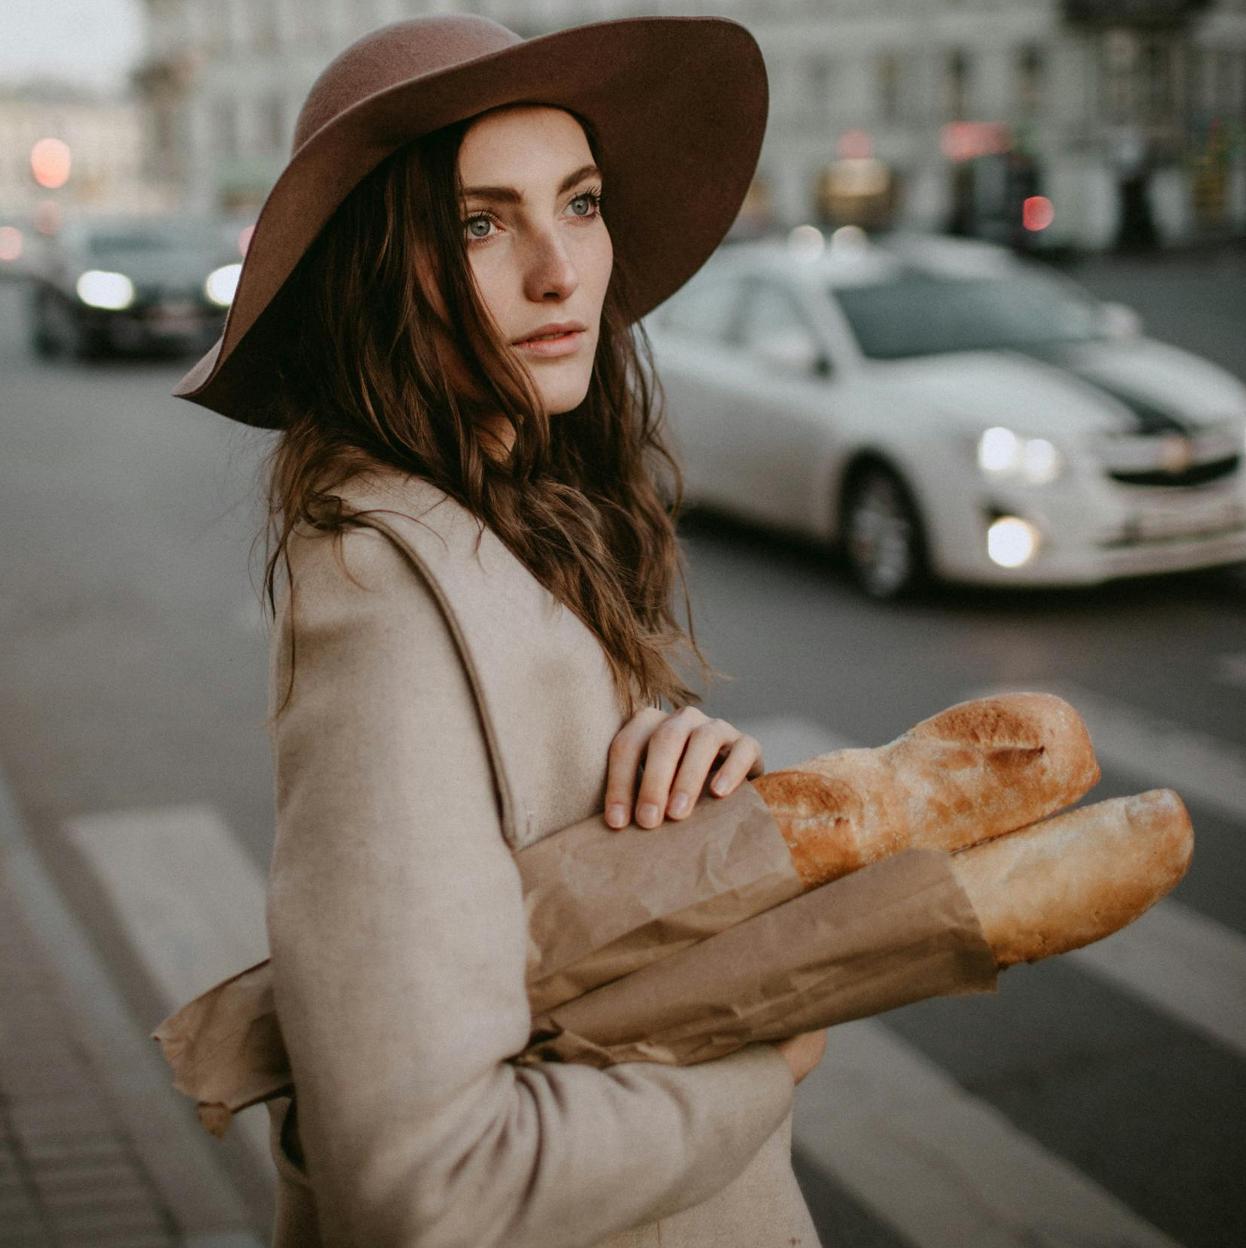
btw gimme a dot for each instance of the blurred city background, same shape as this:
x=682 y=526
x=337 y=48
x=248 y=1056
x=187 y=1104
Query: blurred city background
x=961 y=403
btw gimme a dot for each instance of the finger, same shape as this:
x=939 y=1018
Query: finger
x=706 y=743
x=743 y=761
x=623 y=763
x=662 y=755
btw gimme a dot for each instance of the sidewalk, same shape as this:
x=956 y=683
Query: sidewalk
x=95 y=1152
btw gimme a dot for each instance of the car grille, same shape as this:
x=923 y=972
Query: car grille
x=1195 y=474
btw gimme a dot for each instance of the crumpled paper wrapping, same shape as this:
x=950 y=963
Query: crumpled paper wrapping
x=674 y=945
x=898 y=931
x=603 y=903
x=226 y=1048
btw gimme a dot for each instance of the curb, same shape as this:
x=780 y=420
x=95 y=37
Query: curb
x=193 y=1188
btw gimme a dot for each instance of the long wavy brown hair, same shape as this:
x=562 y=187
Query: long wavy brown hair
x=587 y=502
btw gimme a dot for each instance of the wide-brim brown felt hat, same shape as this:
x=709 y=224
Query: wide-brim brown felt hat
x=678 y=105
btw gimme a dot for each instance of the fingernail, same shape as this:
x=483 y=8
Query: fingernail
x=719 y=785
x=679 y=803
x=616 y=815
x=647 y=815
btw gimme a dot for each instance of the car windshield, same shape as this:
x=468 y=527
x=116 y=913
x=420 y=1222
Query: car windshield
x=920 y=313
x=151 y=239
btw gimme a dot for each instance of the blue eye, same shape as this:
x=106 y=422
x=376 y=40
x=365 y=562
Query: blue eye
x=594 y=199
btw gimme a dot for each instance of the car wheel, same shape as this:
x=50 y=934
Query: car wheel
x=882 y=534
x=44 y=341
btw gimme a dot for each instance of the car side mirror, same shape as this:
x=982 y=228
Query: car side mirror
x=793 y=353
x=1120 y=321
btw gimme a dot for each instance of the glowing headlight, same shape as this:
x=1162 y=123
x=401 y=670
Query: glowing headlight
x=98 y=288
x=1002 y=453
x=1011 y=542
x=222 y=283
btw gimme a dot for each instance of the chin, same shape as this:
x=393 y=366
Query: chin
x=564 y=397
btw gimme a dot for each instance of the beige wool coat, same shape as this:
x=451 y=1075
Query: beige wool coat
x=447 y=711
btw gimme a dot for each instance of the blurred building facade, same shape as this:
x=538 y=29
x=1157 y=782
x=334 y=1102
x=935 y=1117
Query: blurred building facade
x=104 y=138
x=1084 y=123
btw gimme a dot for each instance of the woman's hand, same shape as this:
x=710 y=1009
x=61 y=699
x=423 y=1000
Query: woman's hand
x=679 y=751
x=803 y=1052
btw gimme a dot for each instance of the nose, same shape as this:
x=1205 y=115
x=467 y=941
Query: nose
x=550 y=272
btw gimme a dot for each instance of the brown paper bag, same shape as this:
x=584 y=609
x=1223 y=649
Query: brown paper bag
x=603 y=906
x=898 y=931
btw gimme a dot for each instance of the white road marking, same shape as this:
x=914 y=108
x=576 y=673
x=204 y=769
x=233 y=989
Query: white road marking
x=1181 y=963
x=190 y=898
x=1158 y=751
x=191 y=902
x=1231 y=670
x=939 y=1165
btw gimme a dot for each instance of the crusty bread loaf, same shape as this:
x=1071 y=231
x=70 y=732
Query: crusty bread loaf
x=970 y=773
x=1074 y=879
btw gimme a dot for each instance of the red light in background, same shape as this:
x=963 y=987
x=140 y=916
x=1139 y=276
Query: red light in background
x=10 y=242
x=48 y=217
x=1037 y=213
x=965 y=140
x=49 y=162
x=855 y=145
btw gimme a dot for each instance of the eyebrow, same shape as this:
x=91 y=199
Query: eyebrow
x=509 y=195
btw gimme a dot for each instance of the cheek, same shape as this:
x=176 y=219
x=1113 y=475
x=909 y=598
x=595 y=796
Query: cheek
x=600 y=264
x=491 y=281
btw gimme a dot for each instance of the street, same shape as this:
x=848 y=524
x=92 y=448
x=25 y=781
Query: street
x=1096 y=1099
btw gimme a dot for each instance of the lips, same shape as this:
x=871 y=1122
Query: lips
x=553 y=330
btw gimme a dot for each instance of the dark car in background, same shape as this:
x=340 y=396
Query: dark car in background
x=133 y=284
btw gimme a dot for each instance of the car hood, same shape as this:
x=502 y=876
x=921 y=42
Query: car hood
x=1136 y=386
x=167 y=268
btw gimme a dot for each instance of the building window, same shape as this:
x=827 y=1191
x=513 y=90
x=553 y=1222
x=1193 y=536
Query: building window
x=1157 y=80
x=225 y=123
x=265 y=35
x=888 y=67
x=956 y=76
x=275 y=134
x=819 y=89
x=1120 y=56
x=1030 y=69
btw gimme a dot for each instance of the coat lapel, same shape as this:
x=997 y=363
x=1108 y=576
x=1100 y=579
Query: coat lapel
x=531 y=661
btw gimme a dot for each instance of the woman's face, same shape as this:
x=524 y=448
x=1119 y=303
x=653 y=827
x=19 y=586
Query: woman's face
x=538 y=247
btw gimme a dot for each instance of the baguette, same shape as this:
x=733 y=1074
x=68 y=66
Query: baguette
x=1077 y=878
x=971 y=773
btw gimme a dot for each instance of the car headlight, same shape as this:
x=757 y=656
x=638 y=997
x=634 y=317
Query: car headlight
x=222 y=284
x=1003 y=454
x=98 y=288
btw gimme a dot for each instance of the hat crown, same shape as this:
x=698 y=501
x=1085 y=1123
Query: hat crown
x=395 y=54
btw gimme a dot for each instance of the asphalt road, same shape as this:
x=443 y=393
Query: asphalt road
x=132 y=674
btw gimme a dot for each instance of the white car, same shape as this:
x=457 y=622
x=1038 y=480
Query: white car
x=942 y=407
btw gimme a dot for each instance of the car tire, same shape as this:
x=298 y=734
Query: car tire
x=44 y=341
x=882 y=535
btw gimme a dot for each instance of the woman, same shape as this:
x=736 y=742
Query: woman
x=474 y=637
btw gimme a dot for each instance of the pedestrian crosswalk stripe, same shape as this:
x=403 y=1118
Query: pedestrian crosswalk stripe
x=941 y=1166
x=1231 y=670
x=191 y=902
x=190 y=897
x=1183 y=964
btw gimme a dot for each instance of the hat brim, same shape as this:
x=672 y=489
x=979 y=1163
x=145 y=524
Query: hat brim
x=679 y=105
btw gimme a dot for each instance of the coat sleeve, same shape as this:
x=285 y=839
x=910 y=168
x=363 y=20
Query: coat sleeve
x=397 y=933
